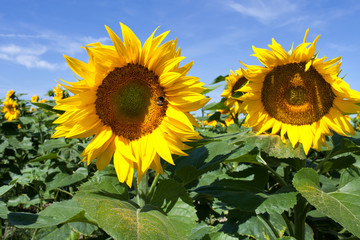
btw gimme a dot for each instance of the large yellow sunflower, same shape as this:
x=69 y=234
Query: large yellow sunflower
x=299 y=95
x=234 y=81
x=135 y=99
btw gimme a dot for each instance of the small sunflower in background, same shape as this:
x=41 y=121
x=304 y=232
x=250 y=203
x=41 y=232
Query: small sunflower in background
x=10 y=108
x=136 y=101
x=298 y=94
x=58 y=93
x=35 y=98
x=234 y=81
x=10 y=94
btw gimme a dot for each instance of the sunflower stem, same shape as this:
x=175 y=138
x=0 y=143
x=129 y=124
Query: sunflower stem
x=288 y=224
x=300 y=210
x=300 y=216
x=275 y=175
x=152 y=188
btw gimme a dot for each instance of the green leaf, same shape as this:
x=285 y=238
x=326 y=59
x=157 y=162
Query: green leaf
x=64 y=179
x=45 y=157
x=55 y=214
x=209 y=89
x=215 y=105
x=27 y=120
x=52 y=233
x=343 y=206
x=183 y=218
x=3 y=210
x=22 y=199
x=236 y=193
x=5 y=188
x=83 y=227
x=25 y=143
x=167 y=194
x=277 y=203
x=220 y=78
x=125 y=220
x=52 y=144
x=272 y=145
x=47 y=107
x=105 y=182
x=204 y=159
x=348 y=175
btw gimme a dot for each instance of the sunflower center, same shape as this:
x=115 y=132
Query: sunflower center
x=293 y=96
x=127 y=101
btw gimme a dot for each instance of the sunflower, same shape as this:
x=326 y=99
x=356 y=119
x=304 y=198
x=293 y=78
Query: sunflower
x=299 y=95
x=10 y=109
x=35 y=98
x=58 y=93
x=234 y=81
x=135 y=100
x=10 y=94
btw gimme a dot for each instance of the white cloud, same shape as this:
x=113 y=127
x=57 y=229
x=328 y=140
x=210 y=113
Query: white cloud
x=264 y=11
x=26 y=56
x=33 y=54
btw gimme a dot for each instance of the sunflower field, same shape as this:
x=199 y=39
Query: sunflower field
x=132 y=149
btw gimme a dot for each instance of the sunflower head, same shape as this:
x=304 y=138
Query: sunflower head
x=234 y=82
x=298 y=94
x=10 y=109
x=58 y=93
x=10 y=94
x=135 y=99
x=35 y=98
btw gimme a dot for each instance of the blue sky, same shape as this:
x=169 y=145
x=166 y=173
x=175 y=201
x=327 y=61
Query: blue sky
x=215 y=34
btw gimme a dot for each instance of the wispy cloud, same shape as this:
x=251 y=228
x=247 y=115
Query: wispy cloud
x=29 y=57
x=35 y=54
x=264 y=11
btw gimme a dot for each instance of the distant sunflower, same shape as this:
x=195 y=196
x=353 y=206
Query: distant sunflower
x=58 y=93
x=234 y=81
x=10 y=109
x=135 y=99
x=10 y=94
x=35 y=98
x=299 y=95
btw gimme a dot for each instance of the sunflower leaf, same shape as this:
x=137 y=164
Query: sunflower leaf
x=47 y=107
x=126 y=220
x=343 y=205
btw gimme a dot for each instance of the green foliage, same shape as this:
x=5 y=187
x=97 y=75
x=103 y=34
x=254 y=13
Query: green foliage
x=232 y=185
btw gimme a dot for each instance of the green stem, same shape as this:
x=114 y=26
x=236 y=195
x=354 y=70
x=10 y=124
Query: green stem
x=300 y=216
x=277 y=177
x=152 y=188
x=61 y=190
x=288 y=224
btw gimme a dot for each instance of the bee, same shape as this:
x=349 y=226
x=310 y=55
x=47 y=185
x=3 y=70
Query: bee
x=160 y=101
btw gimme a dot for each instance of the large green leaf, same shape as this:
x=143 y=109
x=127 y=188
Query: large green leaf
x=343 y=206
x=125 y=220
